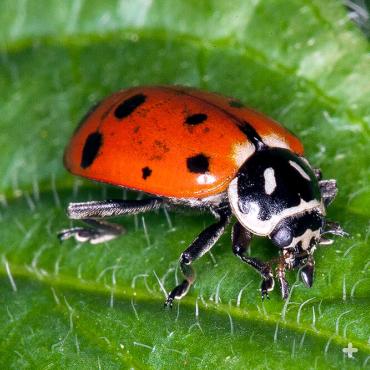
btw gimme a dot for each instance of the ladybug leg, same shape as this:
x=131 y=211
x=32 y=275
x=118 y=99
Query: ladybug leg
x=334 y=228
x=111 y=208
x=98 y=232
x=307 y=271
x=280 y=273
x=101 y=231
x=240 y=241
x=201 y=245
x=328 y=190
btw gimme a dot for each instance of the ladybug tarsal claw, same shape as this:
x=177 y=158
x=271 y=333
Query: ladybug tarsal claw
x=307 y=272
x=325 y=242
x=79 y=233
x=98 y=232
x=177 y=293
x=264 y=295
x=266 y=287
x=168 y=302
x=334 y=228
x=83 y=235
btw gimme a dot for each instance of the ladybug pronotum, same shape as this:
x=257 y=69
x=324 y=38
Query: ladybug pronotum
x=183 y=146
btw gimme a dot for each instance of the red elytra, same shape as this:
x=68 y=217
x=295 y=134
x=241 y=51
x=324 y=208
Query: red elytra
x=170 y=141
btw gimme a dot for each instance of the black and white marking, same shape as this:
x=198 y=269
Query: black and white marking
x=270 y=180
x=300 y=170
x=269 y=188
x=303 y=231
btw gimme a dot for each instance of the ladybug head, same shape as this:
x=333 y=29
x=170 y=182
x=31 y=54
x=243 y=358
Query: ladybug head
x=302 y=231
x=277 y=194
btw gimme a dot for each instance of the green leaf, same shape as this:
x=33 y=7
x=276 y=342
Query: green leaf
x=81 y=306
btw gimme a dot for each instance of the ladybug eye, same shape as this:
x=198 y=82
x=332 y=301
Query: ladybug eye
x=282 y=237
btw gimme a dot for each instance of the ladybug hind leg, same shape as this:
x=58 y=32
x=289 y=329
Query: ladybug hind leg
x=91 y=213
x=201 y=245
x=98 y=232
x=241 y=239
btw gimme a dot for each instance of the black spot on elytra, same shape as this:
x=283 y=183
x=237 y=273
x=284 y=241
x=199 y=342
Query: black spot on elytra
x=196 y=119
x=198 y=164
x=91 y=149
x=129 y=105
x=146 y=172
x=236 y=104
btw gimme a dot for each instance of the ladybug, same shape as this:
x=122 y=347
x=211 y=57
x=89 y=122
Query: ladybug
x=184 y=146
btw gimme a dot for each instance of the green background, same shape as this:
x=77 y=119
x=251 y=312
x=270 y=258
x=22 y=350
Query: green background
x=88 y=307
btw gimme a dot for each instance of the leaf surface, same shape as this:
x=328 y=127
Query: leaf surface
x=80 y=306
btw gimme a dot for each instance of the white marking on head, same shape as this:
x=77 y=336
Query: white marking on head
x=257 y=226
x=270 y=180
x=206 y=179
x=242 y=151
x=305 y=238
x=300 y=170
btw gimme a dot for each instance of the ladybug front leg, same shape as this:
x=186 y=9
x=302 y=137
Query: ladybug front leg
x=307 y=271
x=201 y=245
x=101 y=231
x=241 y=238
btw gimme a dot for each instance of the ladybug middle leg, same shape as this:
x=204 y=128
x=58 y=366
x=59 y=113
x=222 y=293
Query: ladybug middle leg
x=201 y=245
x=240 y=241
x=91 y=213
